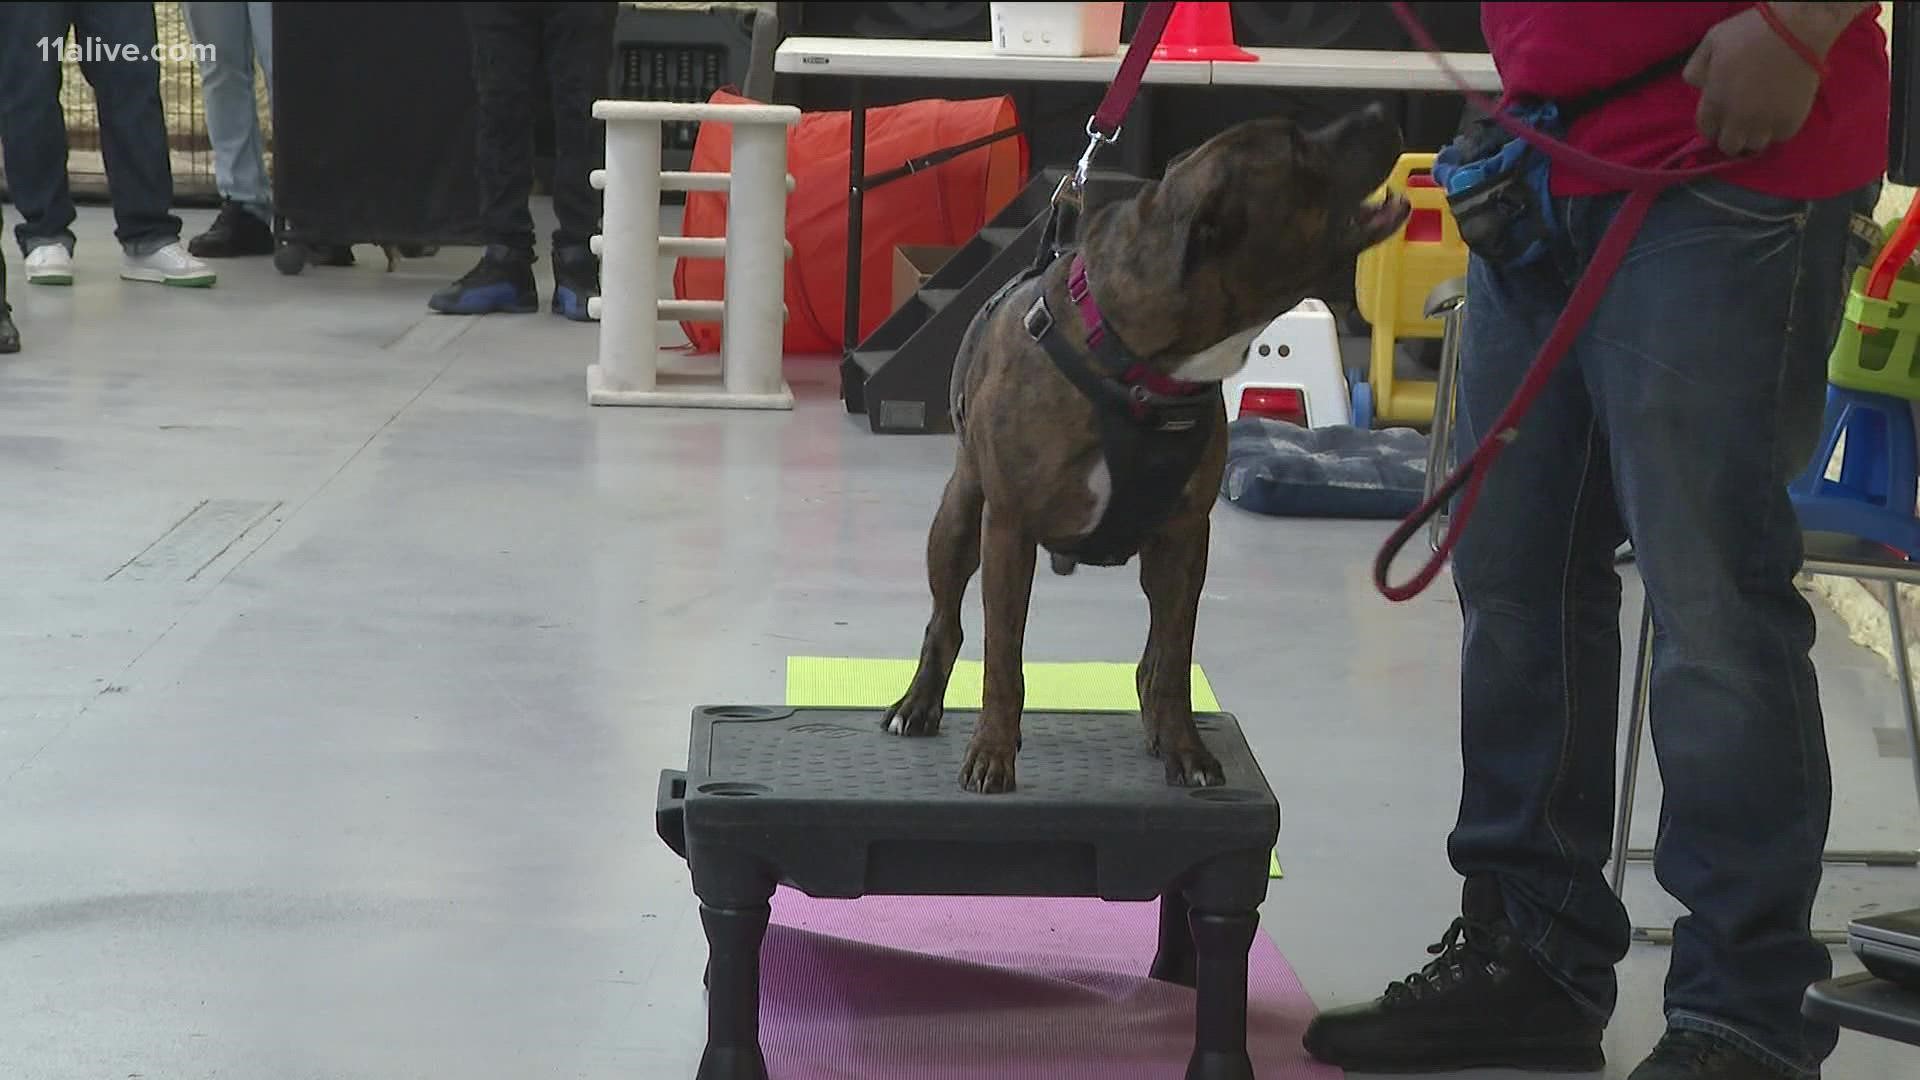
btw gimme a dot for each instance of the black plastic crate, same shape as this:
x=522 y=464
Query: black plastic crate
x=685 y=54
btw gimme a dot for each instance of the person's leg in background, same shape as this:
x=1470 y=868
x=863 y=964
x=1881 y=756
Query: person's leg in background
x=579 y=50
x=1709 y=356
x=9 y=333
x=506 y=76
x=34 y=133
x=227 y=42
x=133 y=144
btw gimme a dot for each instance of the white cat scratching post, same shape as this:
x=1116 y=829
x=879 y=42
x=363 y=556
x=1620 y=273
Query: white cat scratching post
x=630 y=307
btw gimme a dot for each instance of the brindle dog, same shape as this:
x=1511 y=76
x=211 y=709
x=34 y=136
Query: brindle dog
x=1185 y=272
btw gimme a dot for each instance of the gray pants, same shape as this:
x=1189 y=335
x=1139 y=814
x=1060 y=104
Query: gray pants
x=236 y=35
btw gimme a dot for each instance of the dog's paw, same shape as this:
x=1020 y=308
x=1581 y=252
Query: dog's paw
x=1194 y=767
x=987 y=768
x=912 y=715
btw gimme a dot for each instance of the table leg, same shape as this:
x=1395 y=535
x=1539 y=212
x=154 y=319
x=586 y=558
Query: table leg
x=1173 y=960
x=852 y=379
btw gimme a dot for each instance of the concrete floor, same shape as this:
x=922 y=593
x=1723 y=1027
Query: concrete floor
x=343 y=644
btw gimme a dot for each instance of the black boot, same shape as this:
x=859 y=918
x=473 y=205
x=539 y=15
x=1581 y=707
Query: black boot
x=235 y=232
x=9 y=333
x=1694 y=1055
x=576 y=279
x=1483 y=1003
x=502 y=281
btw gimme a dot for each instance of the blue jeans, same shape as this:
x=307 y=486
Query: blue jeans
x=238 y=34
x=1676 y=420
x=133 y=128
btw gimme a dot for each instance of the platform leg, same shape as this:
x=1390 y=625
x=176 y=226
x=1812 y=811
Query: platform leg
x=1173 y=960
x=734 y=936
x=1221 y=943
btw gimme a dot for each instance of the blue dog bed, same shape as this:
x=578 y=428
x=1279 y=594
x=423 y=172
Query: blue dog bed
x=1284 y=470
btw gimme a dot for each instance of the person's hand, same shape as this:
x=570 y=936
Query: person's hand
x=1755 y=89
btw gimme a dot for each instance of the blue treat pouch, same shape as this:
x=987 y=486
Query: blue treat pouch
x=1496 y=186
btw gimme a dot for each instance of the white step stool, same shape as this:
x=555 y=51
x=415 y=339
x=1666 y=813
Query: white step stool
x=1293 y=371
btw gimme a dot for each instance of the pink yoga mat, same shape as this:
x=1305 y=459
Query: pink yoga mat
x=920 y=988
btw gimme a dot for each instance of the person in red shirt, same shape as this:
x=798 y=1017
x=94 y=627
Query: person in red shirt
x=1690 y=400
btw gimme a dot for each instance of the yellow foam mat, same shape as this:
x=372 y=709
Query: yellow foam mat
x=848 y=682
x=858 y=683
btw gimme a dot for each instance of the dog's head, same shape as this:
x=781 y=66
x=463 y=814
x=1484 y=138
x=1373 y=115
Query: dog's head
x=1239 y=231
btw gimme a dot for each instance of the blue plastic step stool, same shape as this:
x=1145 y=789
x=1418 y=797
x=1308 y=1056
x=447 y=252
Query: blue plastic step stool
x=1879 y=471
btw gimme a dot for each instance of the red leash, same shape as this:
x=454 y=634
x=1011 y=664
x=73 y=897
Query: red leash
x=1103 y=128
x=1642 y=186
x=1133 y=67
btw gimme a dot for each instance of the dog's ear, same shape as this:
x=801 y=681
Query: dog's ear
x=1205 y=231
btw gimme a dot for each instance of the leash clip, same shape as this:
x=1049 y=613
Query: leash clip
x=1095 y=140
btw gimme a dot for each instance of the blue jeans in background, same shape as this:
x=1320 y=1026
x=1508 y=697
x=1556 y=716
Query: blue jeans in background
x=1676 y=420
x=237 y=35
x=133 y=127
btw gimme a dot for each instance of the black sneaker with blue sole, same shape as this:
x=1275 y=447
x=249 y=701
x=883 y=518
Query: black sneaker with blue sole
x=502 y=282
x=576 y=279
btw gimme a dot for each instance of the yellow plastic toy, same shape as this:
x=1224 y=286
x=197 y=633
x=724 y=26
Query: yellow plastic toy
x=1391 y=283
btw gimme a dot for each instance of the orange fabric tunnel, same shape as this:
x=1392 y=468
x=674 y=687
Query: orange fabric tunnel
x=944 y=205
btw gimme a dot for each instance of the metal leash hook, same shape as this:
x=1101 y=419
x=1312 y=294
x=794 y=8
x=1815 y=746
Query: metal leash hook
x=1070 y=196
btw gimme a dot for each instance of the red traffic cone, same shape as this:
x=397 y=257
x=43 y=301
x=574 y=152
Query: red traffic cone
x=1200 y=31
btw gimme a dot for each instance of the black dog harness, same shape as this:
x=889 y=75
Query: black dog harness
x=1153 y=428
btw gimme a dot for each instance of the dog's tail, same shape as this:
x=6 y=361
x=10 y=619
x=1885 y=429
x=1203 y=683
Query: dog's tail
x=1064 y=564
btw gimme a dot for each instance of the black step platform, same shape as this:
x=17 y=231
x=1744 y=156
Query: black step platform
x=824 y=801
x=1866 y=1004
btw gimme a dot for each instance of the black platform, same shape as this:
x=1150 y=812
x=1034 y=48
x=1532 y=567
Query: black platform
x=1866 y=1004
x=826 y=802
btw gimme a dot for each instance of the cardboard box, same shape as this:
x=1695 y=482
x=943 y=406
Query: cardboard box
x=913 y=264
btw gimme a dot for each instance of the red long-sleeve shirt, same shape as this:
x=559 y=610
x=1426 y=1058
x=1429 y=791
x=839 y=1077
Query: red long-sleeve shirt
x=1562 y=50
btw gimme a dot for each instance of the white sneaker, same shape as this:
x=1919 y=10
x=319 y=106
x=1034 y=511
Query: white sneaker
x=49 y=264
x=171 y=265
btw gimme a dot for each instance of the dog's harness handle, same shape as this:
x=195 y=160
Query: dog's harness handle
x=1643 y=186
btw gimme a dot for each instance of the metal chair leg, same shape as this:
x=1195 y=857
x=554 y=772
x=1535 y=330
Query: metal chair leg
x=1623 y=821
x=1900 y=667
x=1449 y=301
x=1636 y=732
